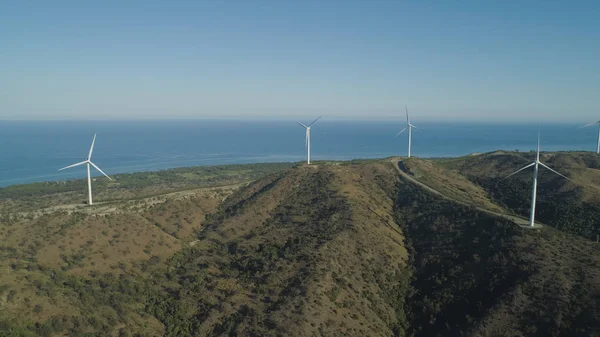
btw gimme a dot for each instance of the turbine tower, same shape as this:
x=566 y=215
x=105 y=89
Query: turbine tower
x=307 y=127
x=591 y=124
x=409 y=126
x=89 y=162
x=535 y=165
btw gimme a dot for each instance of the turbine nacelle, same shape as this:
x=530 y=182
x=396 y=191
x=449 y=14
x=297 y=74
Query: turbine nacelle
x=537 y=161
x=311 y=123
x=87 y=162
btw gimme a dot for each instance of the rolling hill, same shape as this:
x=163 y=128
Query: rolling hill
x=394 y=247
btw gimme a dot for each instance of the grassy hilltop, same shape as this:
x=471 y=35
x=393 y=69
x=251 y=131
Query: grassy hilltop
x=390 y=247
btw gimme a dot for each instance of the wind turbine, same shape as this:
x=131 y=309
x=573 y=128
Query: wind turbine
x=535 y=165
x=409 y=126
x=89 y=162
x=591 y=124
x=307 y=127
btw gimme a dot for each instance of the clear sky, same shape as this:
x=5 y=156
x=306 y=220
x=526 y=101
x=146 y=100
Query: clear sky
x=484 y=60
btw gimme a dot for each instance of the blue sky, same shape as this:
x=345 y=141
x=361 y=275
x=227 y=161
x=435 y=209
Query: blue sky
x=483 y=60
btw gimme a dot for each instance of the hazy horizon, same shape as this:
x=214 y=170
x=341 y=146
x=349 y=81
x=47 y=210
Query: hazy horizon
x=400 y=120
x=487 y=61
x=366 y=117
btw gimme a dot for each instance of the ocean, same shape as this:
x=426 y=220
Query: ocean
x=33 y=151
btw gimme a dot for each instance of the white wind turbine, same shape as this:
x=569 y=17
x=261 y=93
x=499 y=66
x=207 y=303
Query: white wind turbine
x=591 y=124
x=89 y=162
x=307 y=127
x=535 y=165
x=409 y=126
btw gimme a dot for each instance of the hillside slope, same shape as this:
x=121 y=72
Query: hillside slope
x=332 y=249
x=84 y=272
x=573 y=207
x=479 y=275
x=312 y=252
x=447 y=182
x=72 y=269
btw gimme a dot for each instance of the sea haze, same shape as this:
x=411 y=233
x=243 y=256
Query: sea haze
x=34 y=150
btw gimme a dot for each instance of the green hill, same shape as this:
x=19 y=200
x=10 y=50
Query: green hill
x=364 y=248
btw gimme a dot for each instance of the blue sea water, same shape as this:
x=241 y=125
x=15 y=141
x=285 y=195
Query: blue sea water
x=33 y=151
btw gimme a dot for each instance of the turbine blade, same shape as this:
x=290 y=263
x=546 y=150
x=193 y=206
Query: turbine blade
x=546 y=166
x=407 y=118
x=97 y=168
x=92 y=148
x=412 y=126
x=313 y=122
x=398 y=134
x=517 y=171
x=64 y=168
x=588 y=125
x=302 y=125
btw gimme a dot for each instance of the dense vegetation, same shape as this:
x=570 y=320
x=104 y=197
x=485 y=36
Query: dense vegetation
x=103 y=302
x=462 y=261
x=562 y=209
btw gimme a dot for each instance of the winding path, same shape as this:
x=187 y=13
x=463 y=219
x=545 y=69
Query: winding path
x=521 y=222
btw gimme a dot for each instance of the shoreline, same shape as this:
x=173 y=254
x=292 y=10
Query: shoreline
x=195 y=167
